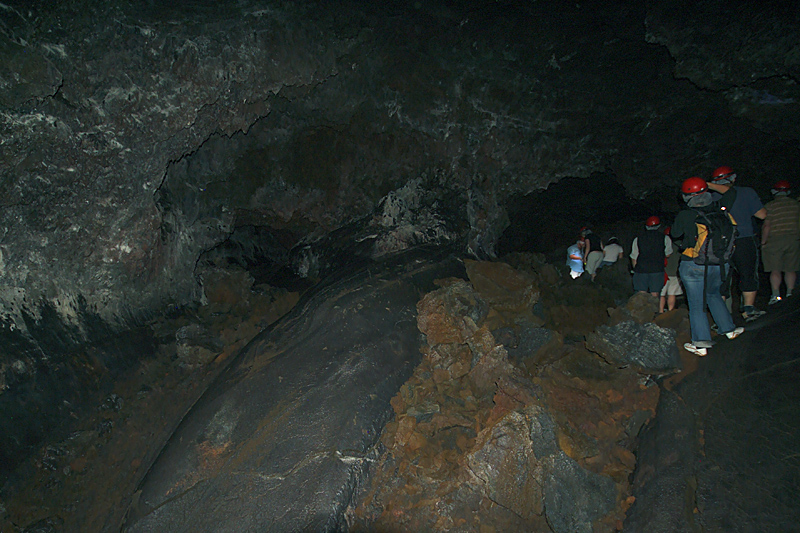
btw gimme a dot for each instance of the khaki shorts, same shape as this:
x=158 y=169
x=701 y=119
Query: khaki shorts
x=593 y=261
x=672 y=287
x=781 y=253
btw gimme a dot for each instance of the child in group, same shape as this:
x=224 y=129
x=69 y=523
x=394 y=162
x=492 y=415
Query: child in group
x=672 y=288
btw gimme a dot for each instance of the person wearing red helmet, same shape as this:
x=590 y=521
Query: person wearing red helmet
x=648 y=252
x=780 y=241
x=745 y=256
x=701 y=282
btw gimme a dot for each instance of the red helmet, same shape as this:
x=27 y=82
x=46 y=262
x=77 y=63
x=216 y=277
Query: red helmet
x=782 y=186
x=723 y=173
x=653 y=221
x=694 y=185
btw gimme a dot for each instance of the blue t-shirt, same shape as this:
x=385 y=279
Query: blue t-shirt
x=746 y=205
x=574 y=264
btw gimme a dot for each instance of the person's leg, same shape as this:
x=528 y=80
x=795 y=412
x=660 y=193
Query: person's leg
x=692 y=277
x=790 y=278
x=749 y=298
x=775 y=278
x=639 y=282
x=716 y=304
x=675 y=291
x=746 y=261
x=792 y=264
x=592 y=262
x=655 y=283
x=771 y=259
x=662 y=300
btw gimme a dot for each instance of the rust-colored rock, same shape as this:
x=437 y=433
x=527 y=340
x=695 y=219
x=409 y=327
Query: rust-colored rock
x=479 y=444
x=507 y=291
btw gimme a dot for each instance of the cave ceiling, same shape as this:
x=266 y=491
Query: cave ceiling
x=137 y=138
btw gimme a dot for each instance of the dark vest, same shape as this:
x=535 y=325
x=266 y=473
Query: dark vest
x=651 y=252
x=594 y=240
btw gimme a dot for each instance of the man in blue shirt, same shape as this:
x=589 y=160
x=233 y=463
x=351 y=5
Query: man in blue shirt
x=745 y=257
x=575 y=258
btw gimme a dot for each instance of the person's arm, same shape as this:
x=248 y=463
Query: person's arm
x=765 y=232
x=761 y=213
x=722 y=189
x=635 y=251
x=667 y=246
x=678 y=233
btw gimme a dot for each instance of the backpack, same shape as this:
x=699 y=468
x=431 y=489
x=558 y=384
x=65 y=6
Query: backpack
x=716 y=237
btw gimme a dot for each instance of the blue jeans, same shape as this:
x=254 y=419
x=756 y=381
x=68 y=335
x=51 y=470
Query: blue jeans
x=692 y=278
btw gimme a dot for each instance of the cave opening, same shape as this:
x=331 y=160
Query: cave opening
x=191 y=191
x=550 y=220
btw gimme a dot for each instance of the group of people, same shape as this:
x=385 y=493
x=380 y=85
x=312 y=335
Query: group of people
x=714 y=234
x=589 y=254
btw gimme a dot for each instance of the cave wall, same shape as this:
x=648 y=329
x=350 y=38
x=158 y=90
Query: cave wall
x=140 y=141
x=136 y=139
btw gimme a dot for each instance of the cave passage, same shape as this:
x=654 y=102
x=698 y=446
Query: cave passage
x=234 y=224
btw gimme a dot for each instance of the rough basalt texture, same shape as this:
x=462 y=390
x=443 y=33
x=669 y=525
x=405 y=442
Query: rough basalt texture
x=134 y=140
x=479 y=444
x=645 y=347
x=138 y=142
x=750 y=55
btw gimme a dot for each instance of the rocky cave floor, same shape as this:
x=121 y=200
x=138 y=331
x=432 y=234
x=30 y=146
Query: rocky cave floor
x=719 y=450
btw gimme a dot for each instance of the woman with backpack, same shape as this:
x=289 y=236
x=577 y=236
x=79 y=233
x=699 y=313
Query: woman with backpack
x=706 y=234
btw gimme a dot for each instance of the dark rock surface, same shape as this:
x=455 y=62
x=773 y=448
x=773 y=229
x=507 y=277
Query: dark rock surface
x=282 y=438
x=140 y=144
x=722 y=452
x=137 y=139
x=647 y=347
x=478 y=440
x=482 y=442
x=574 y=497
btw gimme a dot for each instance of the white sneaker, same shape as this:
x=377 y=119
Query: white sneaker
x=689 y=347
x=774 y=300
x=734 y=333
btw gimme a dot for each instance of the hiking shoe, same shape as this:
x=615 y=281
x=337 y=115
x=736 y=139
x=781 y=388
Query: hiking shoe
x=755 y=314
x=689 y=347
x=734 y=333
x=774 y=300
